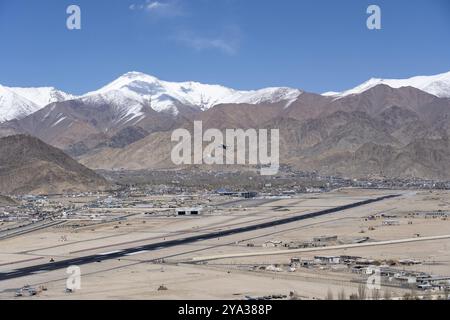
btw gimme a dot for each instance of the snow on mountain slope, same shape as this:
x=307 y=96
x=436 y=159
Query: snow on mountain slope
x=124 y=106
x=43 y=96
x=134 y=91
x=17 y=103
x=13 y=106
x=438 y=85
x=271 y=95
x=163 y=96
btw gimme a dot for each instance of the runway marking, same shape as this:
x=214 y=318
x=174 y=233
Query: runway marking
x=39 y=271
x=137 y=252
x=108 y=253
x=9 y=271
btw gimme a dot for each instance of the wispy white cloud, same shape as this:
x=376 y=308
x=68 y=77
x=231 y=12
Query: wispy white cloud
x=169 y=8
x=227 y=41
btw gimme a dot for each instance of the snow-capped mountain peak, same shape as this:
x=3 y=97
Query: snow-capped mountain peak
x=164 y=96
x=124 y=81
x=44 y=95
x=438 y=85
x=17 y=103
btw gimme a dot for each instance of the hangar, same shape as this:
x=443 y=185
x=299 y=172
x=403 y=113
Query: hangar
x=189 y=211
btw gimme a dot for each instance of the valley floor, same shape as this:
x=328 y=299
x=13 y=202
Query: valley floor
x=170 y=273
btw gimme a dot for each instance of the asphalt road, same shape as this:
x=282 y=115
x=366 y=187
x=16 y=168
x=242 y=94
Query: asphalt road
x=18 y=231
x=26 y=271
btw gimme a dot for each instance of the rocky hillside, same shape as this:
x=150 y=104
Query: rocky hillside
x=28 y=165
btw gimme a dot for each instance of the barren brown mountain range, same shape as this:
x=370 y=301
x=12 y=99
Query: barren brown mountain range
x=380 y=132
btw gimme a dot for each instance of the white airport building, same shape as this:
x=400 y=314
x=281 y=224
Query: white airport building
x=189 y=211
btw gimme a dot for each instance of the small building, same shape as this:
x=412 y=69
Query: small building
x=295 y=260
x=328 y=259
x=390 y=222
x=189 y=211
x=387 y=272
x=272 y=244
x=299 y=262
x=359 y=269
x=409 y=262
x=349 y=259
x=249 y=194
x=225 y=192
x=434 y=280
x=325 y=239
x=244 y=194
x=273 y=268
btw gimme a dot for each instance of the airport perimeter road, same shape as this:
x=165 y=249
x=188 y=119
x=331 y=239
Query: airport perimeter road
x=26 y=271
x=18 y=231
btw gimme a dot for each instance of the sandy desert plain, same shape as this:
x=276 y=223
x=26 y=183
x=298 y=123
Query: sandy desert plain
x=193 y=270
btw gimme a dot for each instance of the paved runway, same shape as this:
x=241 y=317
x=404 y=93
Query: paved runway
x=22 y=272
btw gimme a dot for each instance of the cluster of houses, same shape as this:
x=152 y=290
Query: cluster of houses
x=30 y=209
x=368 y=267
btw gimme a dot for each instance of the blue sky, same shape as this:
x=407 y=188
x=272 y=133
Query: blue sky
x=315 y=45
